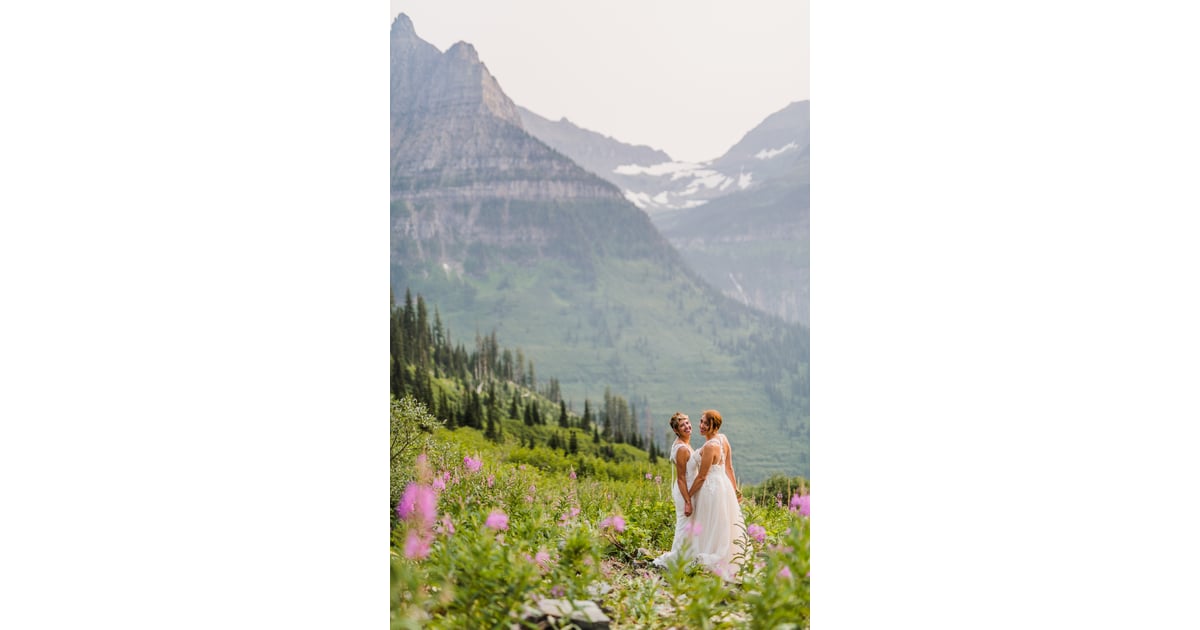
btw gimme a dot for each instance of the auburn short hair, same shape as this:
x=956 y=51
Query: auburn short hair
x=714 y=417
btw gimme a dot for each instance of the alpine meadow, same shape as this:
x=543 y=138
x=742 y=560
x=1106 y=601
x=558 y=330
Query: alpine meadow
x=546 y=321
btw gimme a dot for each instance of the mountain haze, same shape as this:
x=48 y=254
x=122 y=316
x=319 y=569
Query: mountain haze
x=500 y=231
x=740 y=220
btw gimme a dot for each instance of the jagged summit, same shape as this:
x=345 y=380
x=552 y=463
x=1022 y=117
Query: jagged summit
x=453 y=124
x=464 y=52
x=404 y=24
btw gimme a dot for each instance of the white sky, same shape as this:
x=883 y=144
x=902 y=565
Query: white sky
x=690 y=77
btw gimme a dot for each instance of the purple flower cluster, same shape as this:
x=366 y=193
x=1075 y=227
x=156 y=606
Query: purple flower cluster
x=799 y=504
x=418 y=503
x=615 y=522
x=472 y=464
x=417 y=546
x=497 y=520
x=757 y=532
x=566 y=518
x=418 y=506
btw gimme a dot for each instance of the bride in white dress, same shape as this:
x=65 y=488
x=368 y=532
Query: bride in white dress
x=685 y=471
x=716 y=515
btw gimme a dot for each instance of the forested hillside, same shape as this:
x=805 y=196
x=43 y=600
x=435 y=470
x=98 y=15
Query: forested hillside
x=485 y=386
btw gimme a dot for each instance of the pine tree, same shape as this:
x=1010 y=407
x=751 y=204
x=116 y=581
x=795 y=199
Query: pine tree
x=574 y=444
x=562 y=414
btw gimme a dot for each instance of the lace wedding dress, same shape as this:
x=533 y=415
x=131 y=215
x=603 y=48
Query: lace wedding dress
x=717 y=521
x=682 y=523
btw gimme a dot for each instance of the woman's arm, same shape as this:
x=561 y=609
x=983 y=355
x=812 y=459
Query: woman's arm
x=729 y=467
x=706 y=460
x=681 y=459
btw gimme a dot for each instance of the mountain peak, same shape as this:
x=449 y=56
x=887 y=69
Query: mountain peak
x=403 y=25
x=463 y=51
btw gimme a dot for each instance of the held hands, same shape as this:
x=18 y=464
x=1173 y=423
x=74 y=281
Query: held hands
x=687 y=508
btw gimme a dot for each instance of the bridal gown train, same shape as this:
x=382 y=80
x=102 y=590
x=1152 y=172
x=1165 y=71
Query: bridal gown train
x=718 y=517
x=681 y=522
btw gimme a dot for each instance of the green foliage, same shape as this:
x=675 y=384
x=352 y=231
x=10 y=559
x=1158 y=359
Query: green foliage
x=412 y=427
x=679 y=348
x=555 y=545
x=776 y=488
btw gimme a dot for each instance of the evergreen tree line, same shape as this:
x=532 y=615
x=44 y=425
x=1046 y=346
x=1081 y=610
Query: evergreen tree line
x=496 y=383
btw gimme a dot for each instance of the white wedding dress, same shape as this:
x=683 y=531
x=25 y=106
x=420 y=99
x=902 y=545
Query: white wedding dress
x=717 y=514
x=682 y=529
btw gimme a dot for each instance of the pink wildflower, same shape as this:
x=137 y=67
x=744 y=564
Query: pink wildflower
x=572 y=475
x=649 y=476
x=491 y=480
x=447 y=526
x=785 y=573
x=657 y=478
x=416 y=547
x=419 y=502
x=472 y=464
x=799 y=504
x=497 y=520
x=567 y=517
x=557 y=591
x=757 y=532
x=694 y=528
x=615 y=522
x=543 y=560
x=439 y=484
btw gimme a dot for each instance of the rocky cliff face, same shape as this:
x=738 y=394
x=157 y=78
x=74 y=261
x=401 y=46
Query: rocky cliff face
x=456 y=134
x=466 y=177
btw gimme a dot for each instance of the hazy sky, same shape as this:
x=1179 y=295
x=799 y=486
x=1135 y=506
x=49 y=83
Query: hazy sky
x=690 y=77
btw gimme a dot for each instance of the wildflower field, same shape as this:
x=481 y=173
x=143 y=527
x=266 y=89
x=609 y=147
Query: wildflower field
x=484 y=530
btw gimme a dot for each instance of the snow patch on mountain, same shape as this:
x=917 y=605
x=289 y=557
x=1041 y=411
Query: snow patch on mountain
x=664 y=168
x=641 y=200
x=709 y=179
x=767 y=154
